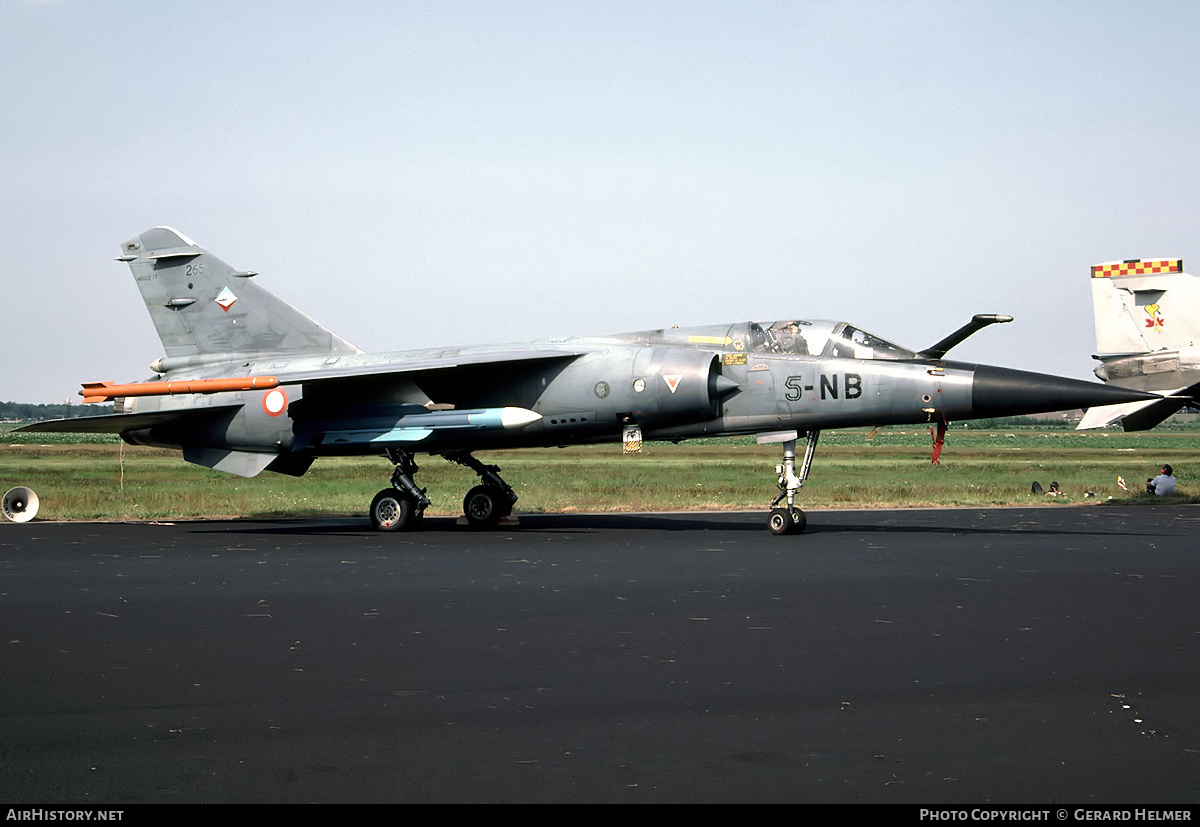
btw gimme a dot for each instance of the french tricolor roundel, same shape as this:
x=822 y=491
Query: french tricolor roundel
x=274 y=402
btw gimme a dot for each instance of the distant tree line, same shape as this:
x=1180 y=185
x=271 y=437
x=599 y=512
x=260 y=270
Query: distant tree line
x=23 y=411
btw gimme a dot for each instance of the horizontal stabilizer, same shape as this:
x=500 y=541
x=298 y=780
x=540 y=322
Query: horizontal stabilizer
x=1133 y=416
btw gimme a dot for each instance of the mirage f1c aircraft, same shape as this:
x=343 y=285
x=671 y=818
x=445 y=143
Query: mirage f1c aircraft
x=249 y=383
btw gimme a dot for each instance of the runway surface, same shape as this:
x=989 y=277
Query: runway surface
x=923 y=657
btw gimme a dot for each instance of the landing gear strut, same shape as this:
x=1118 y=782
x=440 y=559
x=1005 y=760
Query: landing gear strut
x=488 y=503
x=401 y=507
x=790 y=520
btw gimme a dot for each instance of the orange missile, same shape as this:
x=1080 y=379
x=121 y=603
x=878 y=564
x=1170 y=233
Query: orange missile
x=102 y=391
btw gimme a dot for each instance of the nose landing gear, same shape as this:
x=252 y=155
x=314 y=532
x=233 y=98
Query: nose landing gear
x=790 y=520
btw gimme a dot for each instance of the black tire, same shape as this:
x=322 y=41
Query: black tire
x=781 y=522
x=484 y=506
x=392 y=510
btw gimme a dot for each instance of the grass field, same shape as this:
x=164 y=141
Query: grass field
x=98 y=478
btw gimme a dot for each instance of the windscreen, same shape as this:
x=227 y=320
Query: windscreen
x=855 y=343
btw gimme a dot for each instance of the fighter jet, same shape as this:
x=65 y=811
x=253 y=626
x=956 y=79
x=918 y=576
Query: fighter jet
x=248 y=383
x=1147 y=326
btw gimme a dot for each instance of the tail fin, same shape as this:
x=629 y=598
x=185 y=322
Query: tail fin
x=204 y=310
x=1147 y=326
x=1143 y=306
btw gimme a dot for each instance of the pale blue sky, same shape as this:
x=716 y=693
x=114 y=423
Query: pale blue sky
x=437 y=173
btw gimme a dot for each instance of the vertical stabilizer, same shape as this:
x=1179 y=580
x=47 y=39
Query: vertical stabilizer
x=1143 y=306
x=201 y=306
x=1147 y=324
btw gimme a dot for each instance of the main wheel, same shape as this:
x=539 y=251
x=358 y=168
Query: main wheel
x=392 y=510
x=782 y=522
x=484 y=506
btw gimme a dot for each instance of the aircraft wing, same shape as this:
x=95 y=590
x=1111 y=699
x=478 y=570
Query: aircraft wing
x=502 y=360
x=121 y=423
x=455 y=378
x=465 y=380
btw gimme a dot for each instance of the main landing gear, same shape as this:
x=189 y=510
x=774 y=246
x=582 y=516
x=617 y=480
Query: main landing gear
x=402 y=507
x=790 y=520
x=491 y=501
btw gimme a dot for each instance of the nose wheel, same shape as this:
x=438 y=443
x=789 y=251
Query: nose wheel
x=790 y=519
x=783 y=521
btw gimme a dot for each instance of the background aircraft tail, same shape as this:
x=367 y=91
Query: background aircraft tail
x=1143 y=306
x=204 y=310
x=1147 y=326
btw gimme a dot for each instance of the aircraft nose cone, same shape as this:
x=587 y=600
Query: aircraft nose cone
x=1005 y=392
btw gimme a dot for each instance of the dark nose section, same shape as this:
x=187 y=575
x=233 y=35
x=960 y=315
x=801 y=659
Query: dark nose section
x=1004 y=392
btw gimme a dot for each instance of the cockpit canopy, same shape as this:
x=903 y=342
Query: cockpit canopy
x=805 y=338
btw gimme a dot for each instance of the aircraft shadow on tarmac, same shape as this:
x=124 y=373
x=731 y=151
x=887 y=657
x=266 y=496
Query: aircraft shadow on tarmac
x=925 y=523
